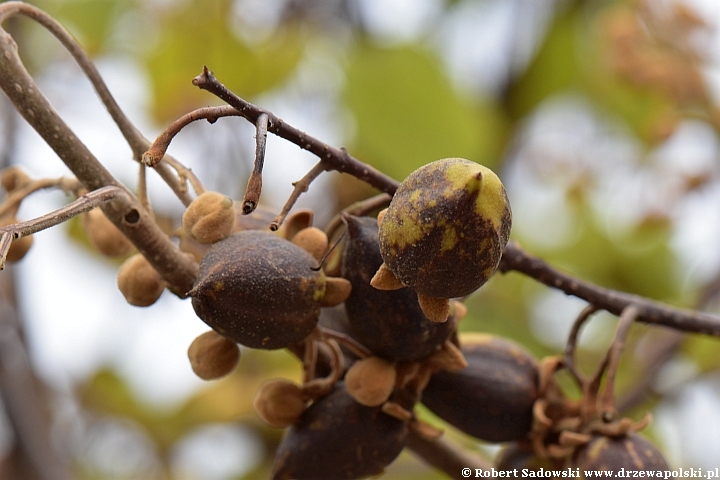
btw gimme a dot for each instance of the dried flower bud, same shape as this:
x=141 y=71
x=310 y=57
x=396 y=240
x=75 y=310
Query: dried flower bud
x=139 y=282
x=209 y=218
x=213 y=356
x=370 y=381
x=19 y=247
x=280 y=403
x=312 y=240
x=104 y=235
x=13 y=178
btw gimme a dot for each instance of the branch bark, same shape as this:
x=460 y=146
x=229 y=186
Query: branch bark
x=125 y=211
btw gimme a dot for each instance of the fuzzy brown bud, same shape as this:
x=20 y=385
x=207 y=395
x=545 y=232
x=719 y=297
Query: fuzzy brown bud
x=280 y=403
x=370 y=381
x=104 y=235
x=13 y=178
x=209 y=218
x=139 y=282
x=213 y=356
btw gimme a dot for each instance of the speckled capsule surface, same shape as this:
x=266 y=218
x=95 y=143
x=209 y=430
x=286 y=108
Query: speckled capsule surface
x=259 y=290
x=631 y=452
x=492 y=398
x=446 y=227
x=389 y=323
x=337 y=438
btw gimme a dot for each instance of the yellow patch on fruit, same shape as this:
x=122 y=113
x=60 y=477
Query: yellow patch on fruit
x=473 y=177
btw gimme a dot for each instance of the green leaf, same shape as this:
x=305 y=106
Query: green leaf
x=92 y=21
x=555 y=69
x=408 y=114
x=200 y=33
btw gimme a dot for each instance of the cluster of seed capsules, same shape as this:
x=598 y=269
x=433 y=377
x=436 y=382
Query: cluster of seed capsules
x=391 y=341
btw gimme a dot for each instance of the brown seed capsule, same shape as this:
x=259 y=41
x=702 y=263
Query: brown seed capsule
x=259 y=290
x=389 y=323
x=139 y=282
x=209 y=218
x=370 y=381
x=446 y=227
x=18 y=248
x=104 y=235
x=631 y=453
x=338 y=438
x=213 y=356
x=279 y=402
x=492 y=398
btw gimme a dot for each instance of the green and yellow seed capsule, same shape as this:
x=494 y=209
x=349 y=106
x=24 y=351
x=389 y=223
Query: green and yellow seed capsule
x=444 y=232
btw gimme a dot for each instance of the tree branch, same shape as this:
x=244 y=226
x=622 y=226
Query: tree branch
x=332 y=158
x=514 y=258
x=125 y=211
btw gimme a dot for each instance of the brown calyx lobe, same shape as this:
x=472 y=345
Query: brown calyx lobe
x=458 y=250
x=258 y=290
x=389 y=323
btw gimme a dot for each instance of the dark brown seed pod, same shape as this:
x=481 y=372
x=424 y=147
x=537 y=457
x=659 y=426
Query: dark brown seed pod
x=446 y=227
x=139 y=282
x=389 y=323
x=492 y=398
x=337 y=438
x=104 y=235
x=259 y=290
x=213 y=356
x=632 y=452
x=209 y=218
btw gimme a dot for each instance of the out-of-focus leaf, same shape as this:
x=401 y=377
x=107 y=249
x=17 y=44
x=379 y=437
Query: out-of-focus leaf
x=639 y=260
x=225 y=400
x=92 y=21
x=199 y=33
x=555 y=68
x=408 y=114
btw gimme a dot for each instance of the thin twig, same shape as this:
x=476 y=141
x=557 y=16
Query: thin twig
x=332 y=158
x=346 y=341
x=83 y=204
x=254 y=185
x=301 y=186
x=514 y=258
x=606 y=399
x=158 y=149
x=124 y=211
x=569 y=353
x=137 y=142
x=444 y=455
x=13 y=200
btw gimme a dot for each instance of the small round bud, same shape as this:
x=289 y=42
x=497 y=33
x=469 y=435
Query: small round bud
x=370 y=381
x=312 y=240
x=209 y=218
x=19 y=247
x=104 y=235
x=13 y=178
x=279 y=402
x=139 y=282
x=213 y=356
